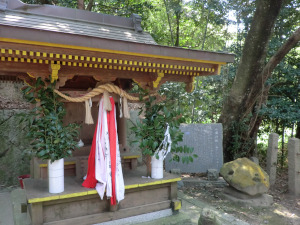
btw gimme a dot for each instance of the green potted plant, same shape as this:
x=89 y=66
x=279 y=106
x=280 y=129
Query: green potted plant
x=151 y=131
x=49 y=139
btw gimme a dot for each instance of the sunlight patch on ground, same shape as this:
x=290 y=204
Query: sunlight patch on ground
x=198 y=194
x=286 y=213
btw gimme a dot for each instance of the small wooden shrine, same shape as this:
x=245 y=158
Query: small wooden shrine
x=81 y=50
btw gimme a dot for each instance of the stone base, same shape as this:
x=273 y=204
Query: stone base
x=212 y=174
x=210 y=216
x=198 y=182
x=262 y=200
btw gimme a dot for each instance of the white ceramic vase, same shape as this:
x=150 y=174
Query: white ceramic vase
x=157 y=166
x=56 y=176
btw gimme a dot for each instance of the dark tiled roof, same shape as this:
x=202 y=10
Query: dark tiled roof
x=72 y=21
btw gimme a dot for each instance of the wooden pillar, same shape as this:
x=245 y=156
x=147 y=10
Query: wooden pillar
x=122 y=134
x=36 y=213
x=173 y=191
x=176 y=204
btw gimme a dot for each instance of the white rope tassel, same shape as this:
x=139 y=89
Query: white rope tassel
x=125 y=108
x=88 y=113
x=121 y=107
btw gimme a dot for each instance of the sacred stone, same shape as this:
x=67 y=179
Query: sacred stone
x=245 y=176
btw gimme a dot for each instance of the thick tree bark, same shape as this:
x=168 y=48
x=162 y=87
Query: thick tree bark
x=270 y=66
x=298 y=130
x=177 y=29
x=259 y=94
x=251 y=65
x=253 y=100
x=80 y=4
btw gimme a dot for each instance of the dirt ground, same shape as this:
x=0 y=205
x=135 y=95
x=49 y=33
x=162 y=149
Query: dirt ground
x=284 y=211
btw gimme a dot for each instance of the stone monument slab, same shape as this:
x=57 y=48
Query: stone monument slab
x=206 y=139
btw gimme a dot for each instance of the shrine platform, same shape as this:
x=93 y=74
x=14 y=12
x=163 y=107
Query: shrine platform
x=82 y=206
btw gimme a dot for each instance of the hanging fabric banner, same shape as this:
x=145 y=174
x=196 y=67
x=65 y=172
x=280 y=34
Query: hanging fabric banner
x=104 y=163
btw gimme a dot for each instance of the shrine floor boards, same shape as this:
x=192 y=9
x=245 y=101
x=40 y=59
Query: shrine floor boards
x=188 y=214
x=12 y=210
x=79 y=205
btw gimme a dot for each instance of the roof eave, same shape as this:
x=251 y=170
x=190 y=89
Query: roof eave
x=56 y=39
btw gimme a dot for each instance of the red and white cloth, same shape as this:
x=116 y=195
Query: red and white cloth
x=104 y=163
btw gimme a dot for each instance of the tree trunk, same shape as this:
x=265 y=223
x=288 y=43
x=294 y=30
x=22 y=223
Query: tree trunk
x=80 y=4
x=205 y=31
x=48 y=2
x=258 y=96
x=282 y=147
x=251 y=64
x=298 y=130
x=177 y=28
x=169 y=22
x=249 y=91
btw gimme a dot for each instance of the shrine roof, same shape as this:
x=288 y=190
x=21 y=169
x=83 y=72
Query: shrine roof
x=66 y=26
x=73 y=21
x=78 y=47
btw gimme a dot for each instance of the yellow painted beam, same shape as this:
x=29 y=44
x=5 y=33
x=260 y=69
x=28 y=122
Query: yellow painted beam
x=45 y=199
x=92 y=192
x=131 y=186
x=45 y=164
x=130 y=156
x=73 y=195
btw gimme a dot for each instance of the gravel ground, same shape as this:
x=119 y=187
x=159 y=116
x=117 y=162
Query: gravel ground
x=284 y=211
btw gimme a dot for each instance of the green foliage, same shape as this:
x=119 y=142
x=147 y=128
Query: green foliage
x=203 y=105
x=284 y=100
x=49 y=138
x=204 y=24
x=150 y=130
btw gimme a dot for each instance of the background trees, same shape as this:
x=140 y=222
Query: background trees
x=257 y=94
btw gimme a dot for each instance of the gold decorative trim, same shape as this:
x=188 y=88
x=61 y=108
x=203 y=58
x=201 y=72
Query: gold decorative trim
x=158 y=79
x=54 y=71
x=91 y=62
